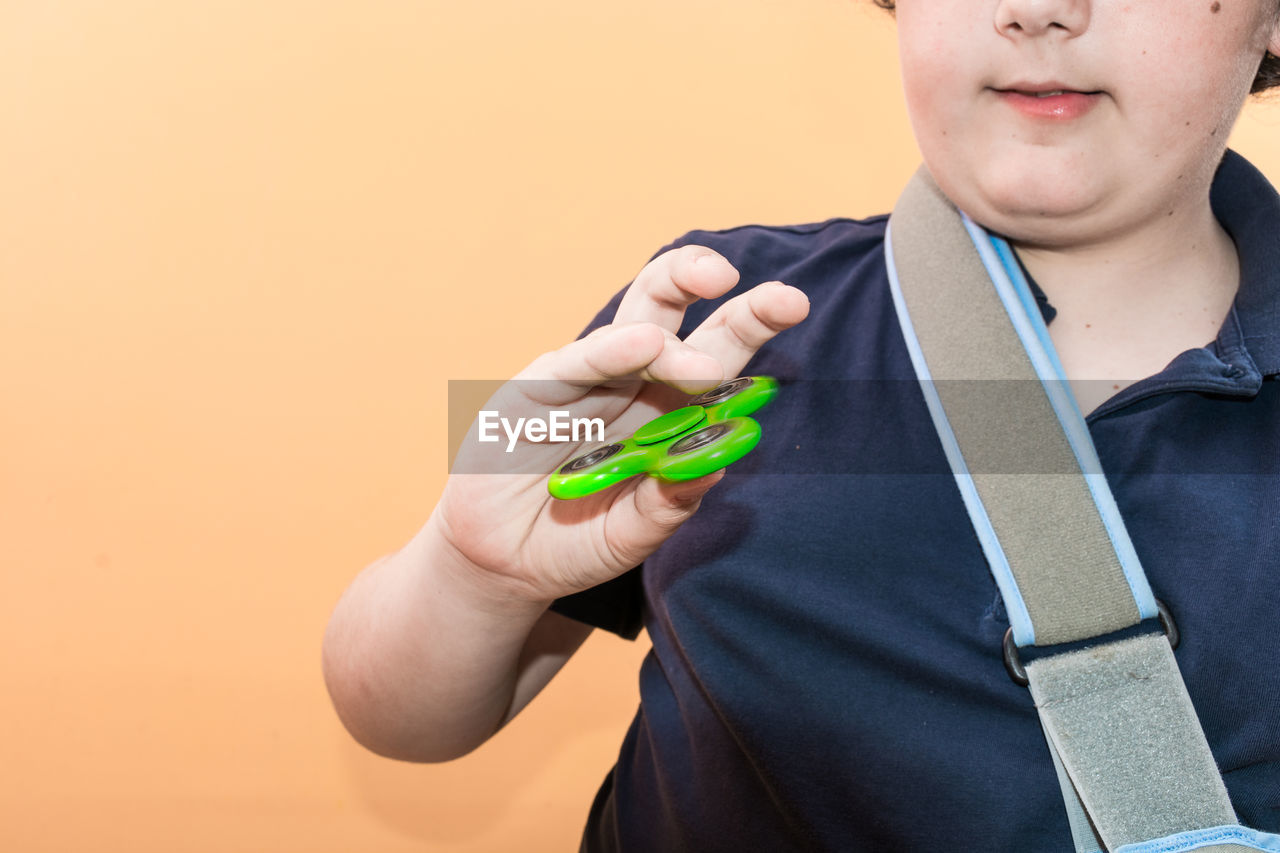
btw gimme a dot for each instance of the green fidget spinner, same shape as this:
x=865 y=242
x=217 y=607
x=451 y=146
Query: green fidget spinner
x=711 y=432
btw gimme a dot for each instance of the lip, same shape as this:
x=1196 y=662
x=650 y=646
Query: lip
x=1027 y=98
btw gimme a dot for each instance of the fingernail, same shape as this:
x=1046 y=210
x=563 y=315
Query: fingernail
x=693 y=494
x=711 y=261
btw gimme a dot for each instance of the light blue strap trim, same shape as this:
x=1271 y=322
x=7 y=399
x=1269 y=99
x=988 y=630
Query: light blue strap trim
x=1083 y=835
x=1029 y=307
x=1019 y=618
x=1245 y=837
x=1019 y=303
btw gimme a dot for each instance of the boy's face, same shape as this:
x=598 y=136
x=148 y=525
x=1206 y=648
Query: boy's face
x=1154 y=87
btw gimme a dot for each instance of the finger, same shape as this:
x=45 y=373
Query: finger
x=652 y=512
x=608 y=354
x=736 y=330
x=614 y=354
x=568 y=378
x=683 y=367
x=671 y=282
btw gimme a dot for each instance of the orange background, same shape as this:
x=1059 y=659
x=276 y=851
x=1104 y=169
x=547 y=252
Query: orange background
x=243 y=247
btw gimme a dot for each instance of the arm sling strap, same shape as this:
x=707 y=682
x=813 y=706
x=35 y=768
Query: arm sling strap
x=1136 y=771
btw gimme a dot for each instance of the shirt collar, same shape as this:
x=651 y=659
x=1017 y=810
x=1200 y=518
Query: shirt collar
x=1248 y=208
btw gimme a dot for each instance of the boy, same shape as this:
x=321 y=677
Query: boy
x=825 y=671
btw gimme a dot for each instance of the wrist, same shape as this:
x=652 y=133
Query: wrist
x=460 y=578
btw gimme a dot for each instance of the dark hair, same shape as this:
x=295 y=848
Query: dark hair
x=1268 y=72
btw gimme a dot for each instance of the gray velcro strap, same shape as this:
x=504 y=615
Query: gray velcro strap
x=1123 y=726
x=1072 y=583
x=1117 y=715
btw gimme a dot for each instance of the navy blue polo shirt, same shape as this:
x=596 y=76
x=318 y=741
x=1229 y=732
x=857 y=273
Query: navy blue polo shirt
x=826 y=670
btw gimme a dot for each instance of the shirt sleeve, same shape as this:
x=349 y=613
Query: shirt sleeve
x=617 y=605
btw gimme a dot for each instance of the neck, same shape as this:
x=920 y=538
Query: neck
x=1182 y=270
x=1130 y=303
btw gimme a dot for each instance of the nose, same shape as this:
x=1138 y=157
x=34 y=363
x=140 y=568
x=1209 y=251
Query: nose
x=1028 y=18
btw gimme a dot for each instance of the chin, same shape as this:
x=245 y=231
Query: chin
x=1032 y=209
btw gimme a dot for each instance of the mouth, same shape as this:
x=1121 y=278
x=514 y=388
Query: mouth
x=1051 y=93
x=1045 y=87
x=1050 y=99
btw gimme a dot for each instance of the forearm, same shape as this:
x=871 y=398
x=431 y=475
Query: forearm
x=421 y=658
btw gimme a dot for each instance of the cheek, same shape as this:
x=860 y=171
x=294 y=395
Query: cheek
x=1190 y=76
x=935 y=43
x=935 y=87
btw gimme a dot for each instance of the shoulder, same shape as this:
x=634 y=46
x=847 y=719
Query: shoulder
x=787 y=245
x=838 y=263
x=820 y=258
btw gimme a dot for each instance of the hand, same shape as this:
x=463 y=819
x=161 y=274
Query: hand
x=506 y=531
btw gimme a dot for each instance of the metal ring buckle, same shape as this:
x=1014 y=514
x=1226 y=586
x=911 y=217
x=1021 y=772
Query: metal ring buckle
x=1017 y=672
